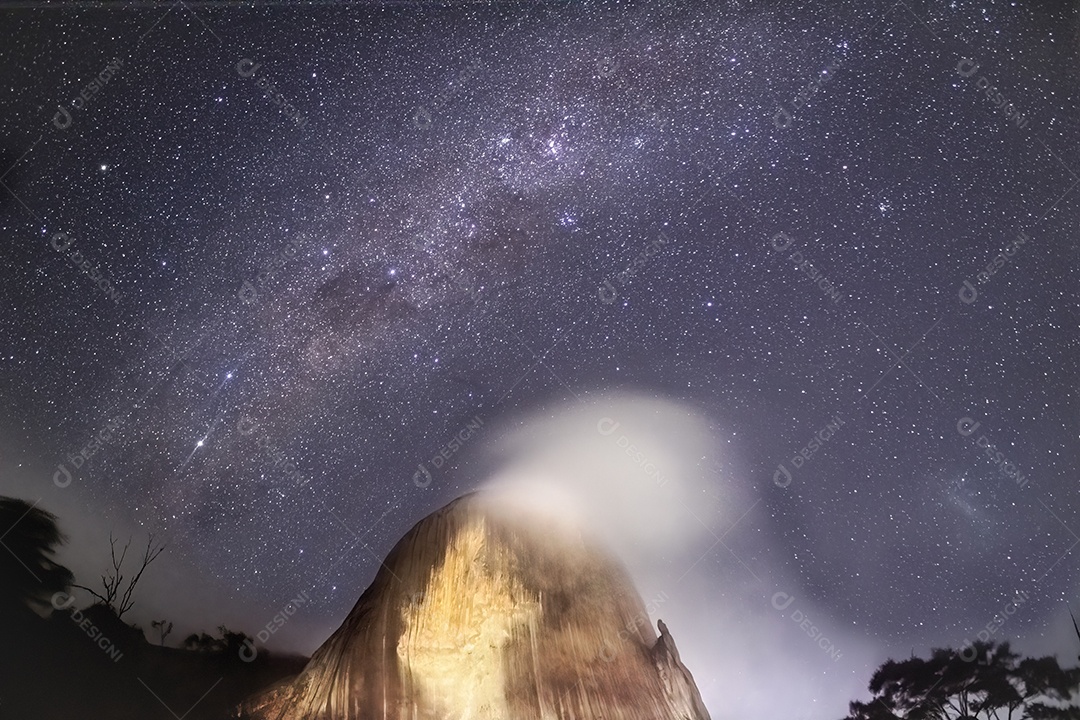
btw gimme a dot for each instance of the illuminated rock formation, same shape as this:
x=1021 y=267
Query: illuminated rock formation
x=481 y=613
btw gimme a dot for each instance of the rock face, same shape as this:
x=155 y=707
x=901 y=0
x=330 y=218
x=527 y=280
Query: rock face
x=484 y=613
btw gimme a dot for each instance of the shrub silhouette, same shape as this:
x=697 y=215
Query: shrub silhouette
x=29 y=576
x=983 y=681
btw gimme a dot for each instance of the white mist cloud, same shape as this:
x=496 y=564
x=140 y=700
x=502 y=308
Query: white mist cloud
x=638 y=472
x=649 y=478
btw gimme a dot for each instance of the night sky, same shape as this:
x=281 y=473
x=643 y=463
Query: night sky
x=277 y=259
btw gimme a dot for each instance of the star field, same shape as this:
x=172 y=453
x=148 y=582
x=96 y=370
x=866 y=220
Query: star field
x=335 y=234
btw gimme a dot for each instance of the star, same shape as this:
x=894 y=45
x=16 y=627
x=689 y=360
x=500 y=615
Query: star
x=533 y=205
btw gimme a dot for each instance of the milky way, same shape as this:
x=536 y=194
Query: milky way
x=282 y=257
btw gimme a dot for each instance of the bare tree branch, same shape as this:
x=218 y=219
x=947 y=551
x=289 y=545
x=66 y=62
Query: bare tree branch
x=100 y=597
x=149 y=555
x=116 y=596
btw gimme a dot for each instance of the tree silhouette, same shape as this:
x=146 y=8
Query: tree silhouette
x=1075 y=626
x=201 y=642
x=29 y=576
x=163 y=627
x=228 y=645
x=984 y=681
x=116 y=596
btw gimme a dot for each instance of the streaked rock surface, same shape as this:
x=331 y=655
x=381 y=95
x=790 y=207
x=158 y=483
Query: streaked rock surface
x=485 y=613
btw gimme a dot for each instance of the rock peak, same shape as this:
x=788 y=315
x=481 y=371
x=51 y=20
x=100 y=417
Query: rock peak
x=484 y=612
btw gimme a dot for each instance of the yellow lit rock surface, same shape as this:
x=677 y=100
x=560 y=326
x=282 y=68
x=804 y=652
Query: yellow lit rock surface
x=482 y=613
x=453 y=651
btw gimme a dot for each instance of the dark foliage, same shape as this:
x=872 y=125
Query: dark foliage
x=58 y=661
x=28 y=538
x=983 y=681
x=116 y=596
